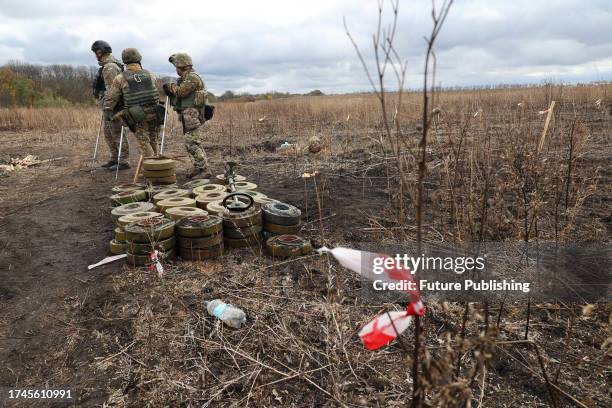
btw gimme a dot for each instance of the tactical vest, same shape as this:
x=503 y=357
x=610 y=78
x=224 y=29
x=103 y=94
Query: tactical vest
x=98 y=84
x=141 y=90
x=186 y=101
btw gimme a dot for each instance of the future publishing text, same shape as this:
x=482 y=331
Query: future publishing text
x=467 y=285
x=395 y=268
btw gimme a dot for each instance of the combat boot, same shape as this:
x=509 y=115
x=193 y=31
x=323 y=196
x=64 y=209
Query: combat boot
x=198 y=173
x=109 y=163
x=122 y=166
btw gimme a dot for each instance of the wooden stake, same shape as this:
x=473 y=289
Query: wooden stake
x=137 y=173
x=546 y=123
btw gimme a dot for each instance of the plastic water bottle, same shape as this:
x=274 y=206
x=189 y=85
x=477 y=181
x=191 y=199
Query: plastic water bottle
x=230 y=315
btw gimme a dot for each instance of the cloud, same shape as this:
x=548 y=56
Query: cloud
x=291 y=45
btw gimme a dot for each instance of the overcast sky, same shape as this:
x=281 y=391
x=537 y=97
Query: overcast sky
x=297 y=46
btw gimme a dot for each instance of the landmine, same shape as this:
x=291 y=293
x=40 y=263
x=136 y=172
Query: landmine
x=178 y=213
x=241 y=218
x=148 y=235
x=255 y=194
x=131 y=208
x=209 y=188
x=202 y=200
x=242 y=228
x=200 y=237
x=159 y=170
x=245 y=185
x=190 y=185
x=117 y=245
x=154 y=190
x=215 y=207
x=285 y=246
x=128 y=187
x=280 y=219
x=126 y=197
x=163 y=205
x=132 y=218
x=170 y=193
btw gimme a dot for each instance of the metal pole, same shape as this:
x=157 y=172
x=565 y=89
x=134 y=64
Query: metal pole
x=230 y=178
x=161 y=149
x=97 y=140
x=119 y=153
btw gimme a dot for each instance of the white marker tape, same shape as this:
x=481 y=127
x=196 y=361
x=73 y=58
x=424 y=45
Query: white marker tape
x=106 y=260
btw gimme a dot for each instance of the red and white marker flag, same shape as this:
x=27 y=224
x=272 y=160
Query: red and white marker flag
x=384 y=328
x=387 y=326
x=155 y=265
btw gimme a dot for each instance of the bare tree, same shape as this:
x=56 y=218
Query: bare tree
x=385 y=56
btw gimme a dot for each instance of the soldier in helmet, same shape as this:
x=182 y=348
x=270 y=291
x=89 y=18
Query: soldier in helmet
x=188 y=96
x=110 y=67
x=134 y=91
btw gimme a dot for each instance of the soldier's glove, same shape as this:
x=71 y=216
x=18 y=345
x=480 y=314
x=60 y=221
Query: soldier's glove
x=108 y=115
x=168 y=89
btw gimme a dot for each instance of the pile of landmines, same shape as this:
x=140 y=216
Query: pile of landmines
x=192 y=222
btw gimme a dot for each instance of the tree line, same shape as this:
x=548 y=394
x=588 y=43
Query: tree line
x=33 y=85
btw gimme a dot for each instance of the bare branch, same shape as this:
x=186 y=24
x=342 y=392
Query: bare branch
x=363 y=63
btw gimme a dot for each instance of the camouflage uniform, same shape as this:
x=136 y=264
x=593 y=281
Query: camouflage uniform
x=184 y=90
x=112 y=128
x=147 y=131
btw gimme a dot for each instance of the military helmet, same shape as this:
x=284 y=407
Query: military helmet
x=130 y=55
x=180 y=60
x=102 y=46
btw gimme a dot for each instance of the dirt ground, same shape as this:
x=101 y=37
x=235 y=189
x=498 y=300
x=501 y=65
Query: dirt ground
x=57 y=222
x=119 y=336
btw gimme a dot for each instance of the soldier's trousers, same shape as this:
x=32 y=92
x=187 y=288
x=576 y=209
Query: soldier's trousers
x=112 y=134
x=147 y=135
x=194 y=143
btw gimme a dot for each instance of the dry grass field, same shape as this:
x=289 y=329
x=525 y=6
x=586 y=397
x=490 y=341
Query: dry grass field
x=123 y=337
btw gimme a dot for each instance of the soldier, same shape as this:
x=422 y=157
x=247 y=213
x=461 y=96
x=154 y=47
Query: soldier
x=110 y=67
x=134 y=91
x=188 y=96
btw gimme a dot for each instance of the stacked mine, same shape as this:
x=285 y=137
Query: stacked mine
x=200 y=237
x=159 y=170
x=148 y=239
x=242 y=228
x=280 y=218
x=117 y=245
